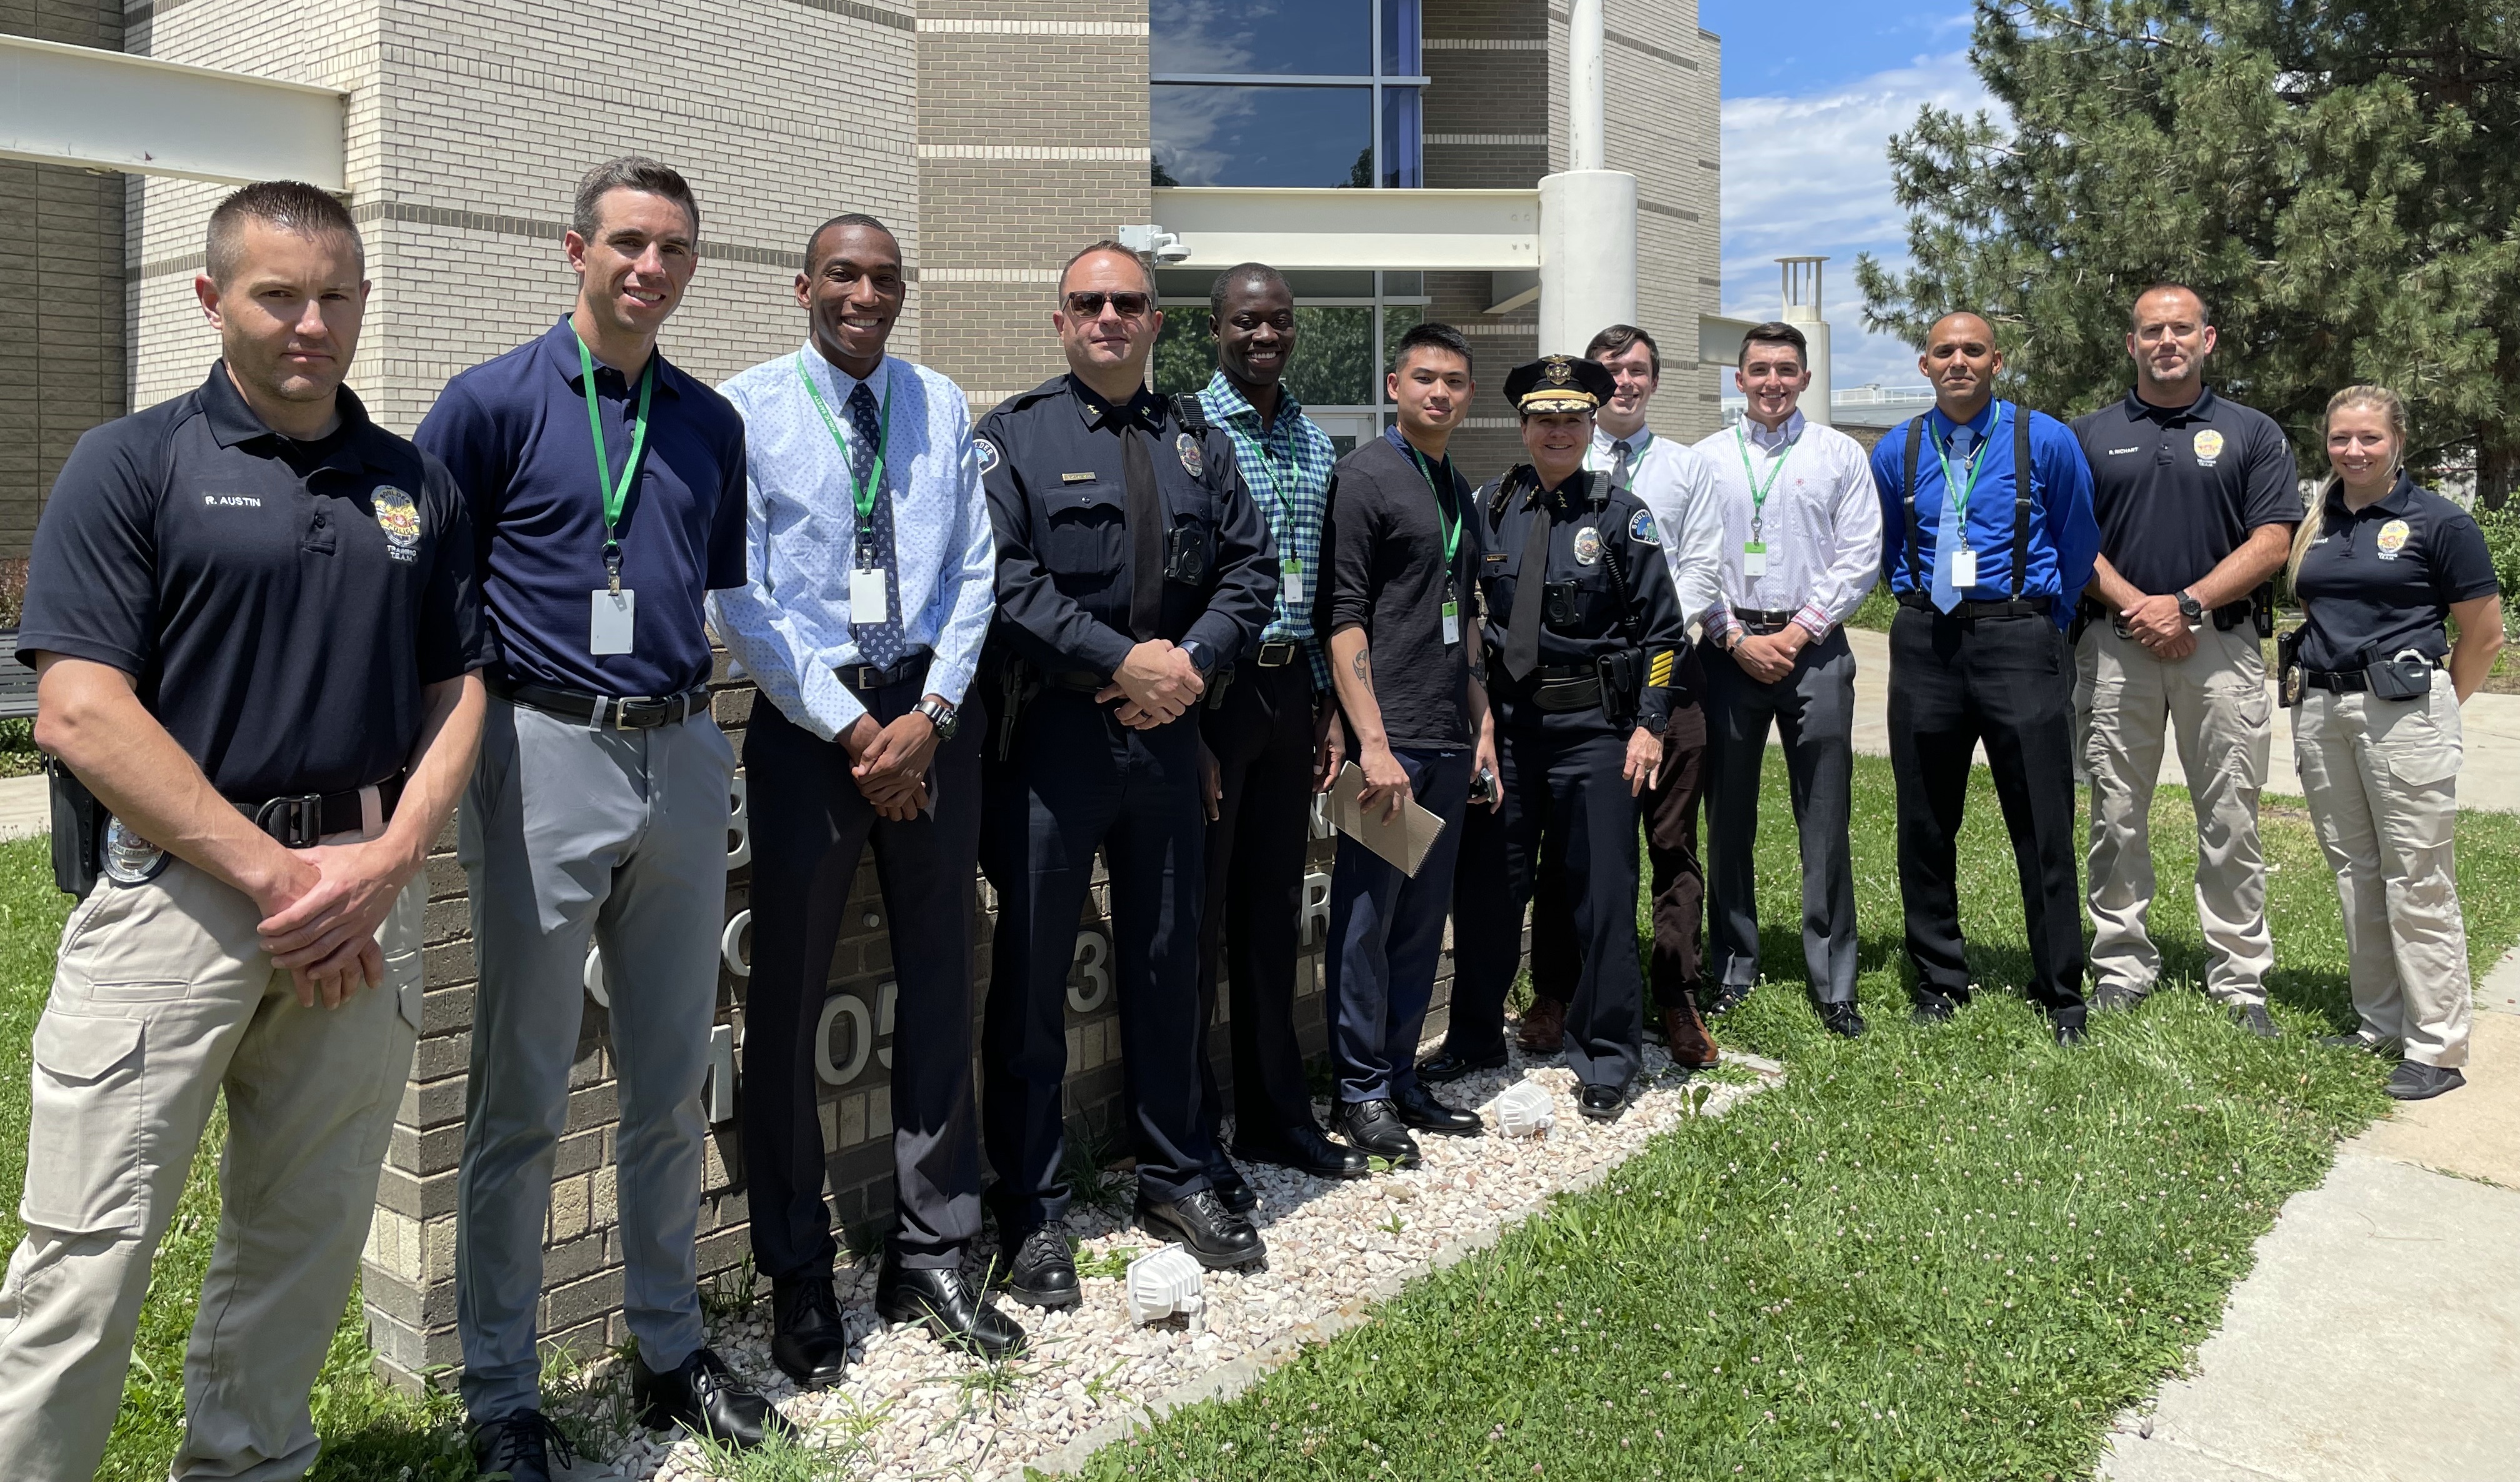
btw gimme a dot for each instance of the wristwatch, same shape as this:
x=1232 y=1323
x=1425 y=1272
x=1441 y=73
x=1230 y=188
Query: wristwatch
x=2189 y=609
x=944 y=717
x=1200 y=658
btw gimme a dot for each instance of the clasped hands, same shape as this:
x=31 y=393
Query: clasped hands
x=2157 y=623
x=891 y=762
x=1156 y=684
x=321 y=912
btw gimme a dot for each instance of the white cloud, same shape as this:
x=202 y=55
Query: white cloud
x=1811 y=175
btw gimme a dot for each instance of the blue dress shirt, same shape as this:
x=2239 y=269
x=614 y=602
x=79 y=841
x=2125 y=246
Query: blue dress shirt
x=2064 y=538
x=788 y=624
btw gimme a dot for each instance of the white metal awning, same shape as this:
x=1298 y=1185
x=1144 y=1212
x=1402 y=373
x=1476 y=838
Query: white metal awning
x=1402 y=231
x=99 y=109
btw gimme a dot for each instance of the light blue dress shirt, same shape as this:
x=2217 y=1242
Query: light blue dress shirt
x=788 y=625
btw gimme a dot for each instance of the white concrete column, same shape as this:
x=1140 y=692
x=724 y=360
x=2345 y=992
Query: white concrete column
x=1587 y=256
x=1584 y=88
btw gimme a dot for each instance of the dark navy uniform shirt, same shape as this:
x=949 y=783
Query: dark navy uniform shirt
x=2178 y=490
x=1059 y=497
x=2062 y=536
x=513 y=432
x=2381 y=579
x=279 y=604
x=1583 y=542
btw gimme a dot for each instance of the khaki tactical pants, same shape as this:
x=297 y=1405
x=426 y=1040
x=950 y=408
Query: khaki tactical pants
x=2382 y=781
x=161 y=998
x=2216 y=701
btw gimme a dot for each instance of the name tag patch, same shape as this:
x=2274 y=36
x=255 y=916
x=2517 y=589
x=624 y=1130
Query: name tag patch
x=231 y=502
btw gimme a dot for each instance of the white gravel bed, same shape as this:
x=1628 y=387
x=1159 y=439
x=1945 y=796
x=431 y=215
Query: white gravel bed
x=909 y=1408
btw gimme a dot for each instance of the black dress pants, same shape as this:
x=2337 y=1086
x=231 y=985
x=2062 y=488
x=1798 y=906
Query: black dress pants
x=810 y=825
x=1260 y=735
x=1074 y=782
x=2008 y=682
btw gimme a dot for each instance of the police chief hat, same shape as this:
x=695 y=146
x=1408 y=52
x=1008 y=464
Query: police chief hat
x=1558 y=383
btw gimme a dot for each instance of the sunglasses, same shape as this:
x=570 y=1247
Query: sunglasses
x=1126 y=305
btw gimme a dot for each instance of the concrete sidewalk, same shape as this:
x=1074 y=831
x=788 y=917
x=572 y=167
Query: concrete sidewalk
x=2489 y=778
x=25 y=806
x=2378 y=1337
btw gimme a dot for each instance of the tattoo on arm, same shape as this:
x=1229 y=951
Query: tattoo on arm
x=1364 y=671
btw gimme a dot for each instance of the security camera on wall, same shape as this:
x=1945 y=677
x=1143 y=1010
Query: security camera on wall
x=1152 y=241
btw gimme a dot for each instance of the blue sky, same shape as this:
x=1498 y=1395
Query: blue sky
x=1812 y=93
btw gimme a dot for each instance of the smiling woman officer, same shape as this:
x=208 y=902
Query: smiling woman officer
x=2378 y=565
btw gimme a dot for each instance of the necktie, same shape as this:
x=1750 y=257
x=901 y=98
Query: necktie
x=882 y=644
x=1948 y=534
x=1530 y=595
x=1620 y=453
x=1145 y=534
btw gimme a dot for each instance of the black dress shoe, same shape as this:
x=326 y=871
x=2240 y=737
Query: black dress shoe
x=1305 y=1151
x=1418 y=1108
x=703 y=1396
x=1842 y=1020
x=519 y=1444
x=1602 y=1104
x=1230 y=1187
x=1727 y=996
x=1932 y=1012
x=2069 y=1035
x=1043 y=1272
x=1444 y=1066
x=807 y=1342
x=1216 y=1237
x=1374 y=1128
x=955 y=1316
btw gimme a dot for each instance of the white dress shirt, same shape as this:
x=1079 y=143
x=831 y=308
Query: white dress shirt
x=1821 y=524
x=1677 y=485
x=788 y=625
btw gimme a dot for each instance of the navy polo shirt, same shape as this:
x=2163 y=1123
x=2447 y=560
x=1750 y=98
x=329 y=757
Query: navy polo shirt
x=2381 y=579
x=279 y=604
x=2062 y=536
x=2178 y=490
x=513 y=432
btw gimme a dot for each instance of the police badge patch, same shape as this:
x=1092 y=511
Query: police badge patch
x=2209 y=446
x=2391 y=539
x=988 y=456
x=399 y=517
x=1187 y=447
x=129 y=859
x=1588 y=546
x=1641 y=530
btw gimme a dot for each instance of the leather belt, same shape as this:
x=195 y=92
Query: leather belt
x=1278 y=653
x=1762 y=621
x=874 y=677
x=302 y=820
x=2018 y=607
x=625 y=712
x=2342 y=681
x=1554 y=695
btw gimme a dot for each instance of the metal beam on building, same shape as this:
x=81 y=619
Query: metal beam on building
x=1398 y=230
x=99 y=109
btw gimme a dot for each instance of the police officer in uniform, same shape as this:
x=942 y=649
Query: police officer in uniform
x=1133 y=572
x=1583 y=636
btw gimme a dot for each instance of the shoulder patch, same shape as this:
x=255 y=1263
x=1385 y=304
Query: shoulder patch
x=1641 y=530
x=1192 y=458
x=988 y=456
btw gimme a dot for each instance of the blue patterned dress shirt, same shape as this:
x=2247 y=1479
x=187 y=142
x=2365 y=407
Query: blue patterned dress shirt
x=788 y=625
x=1288 y=469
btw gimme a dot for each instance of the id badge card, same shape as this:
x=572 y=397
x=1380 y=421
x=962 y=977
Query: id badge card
x=1754 y=559
x=1452 y=622
x=1963 y=567
x=609 y=632
x=868 y=602
x=1290 y=582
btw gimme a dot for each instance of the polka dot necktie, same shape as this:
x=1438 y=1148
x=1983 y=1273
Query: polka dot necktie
x=882 y=644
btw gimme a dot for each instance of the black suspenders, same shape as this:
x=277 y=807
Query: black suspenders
x=2025 y=489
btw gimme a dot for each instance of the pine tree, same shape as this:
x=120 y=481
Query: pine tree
x=2341 y=181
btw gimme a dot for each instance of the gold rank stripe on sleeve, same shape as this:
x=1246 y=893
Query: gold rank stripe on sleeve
x=1658 y=674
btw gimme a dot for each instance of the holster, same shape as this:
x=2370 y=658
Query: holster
x=1217 y=684
x=2086 y=613
x=79 y=830
x=2288 y=680
x=1622 y=674
x=2262 y=607
x=1017 y=684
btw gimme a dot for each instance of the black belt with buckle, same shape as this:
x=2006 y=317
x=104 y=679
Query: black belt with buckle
x=1760 y=621
x=302 y=820
x=1278 y=653
x=625 y=712
x=2344 y=681
x=2018 y=607
x=874 y=677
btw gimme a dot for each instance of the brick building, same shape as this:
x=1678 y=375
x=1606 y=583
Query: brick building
x=995 y=137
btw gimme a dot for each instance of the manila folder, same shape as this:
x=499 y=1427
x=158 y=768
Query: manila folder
x=1403 y=839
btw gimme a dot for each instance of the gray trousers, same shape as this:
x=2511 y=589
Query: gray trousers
x=621 y=835
x=1812 y=711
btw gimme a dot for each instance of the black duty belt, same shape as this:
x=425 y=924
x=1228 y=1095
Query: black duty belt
x=1077 y=680
x=2018 y=607
x=302 y=820
x=1554 y=695
x=624 y=712
x=1278 y=653
x=2342 y=681
x=1762 y=621
x=874 y=677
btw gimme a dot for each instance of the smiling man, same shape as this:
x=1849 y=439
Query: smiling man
x=870 y=557
x=1987 y=540
x=608 y=489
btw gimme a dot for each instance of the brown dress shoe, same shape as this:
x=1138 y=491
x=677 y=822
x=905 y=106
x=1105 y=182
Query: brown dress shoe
x=1544 y=1027
x=1692 y=1046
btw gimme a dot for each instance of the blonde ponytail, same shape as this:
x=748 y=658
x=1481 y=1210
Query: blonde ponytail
x=2379 y=399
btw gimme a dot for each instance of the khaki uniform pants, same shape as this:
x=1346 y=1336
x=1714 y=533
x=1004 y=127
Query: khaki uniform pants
x=2216 y=701
x=161 y=998
x=2382 y=781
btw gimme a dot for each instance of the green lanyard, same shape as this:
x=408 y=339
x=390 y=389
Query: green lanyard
x=1758 y=491
x=862 y=493
x=616 y=496
x=1956 y=489
x=1452 y=528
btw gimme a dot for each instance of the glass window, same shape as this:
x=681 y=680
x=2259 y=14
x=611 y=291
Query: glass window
x=1399 y=38
x=1400 y=141
x=1263 y=136
x=1323 y=38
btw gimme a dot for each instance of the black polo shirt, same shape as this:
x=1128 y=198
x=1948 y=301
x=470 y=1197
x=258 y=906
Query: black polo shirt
x=281 y=604
x=2178 y=490
x=2381 y=579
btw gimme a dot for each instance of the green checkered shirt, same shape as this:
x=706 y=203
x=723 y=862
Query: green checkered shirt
x=1288 y=469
